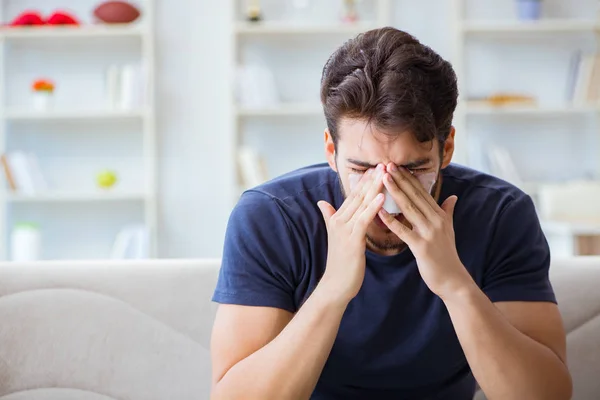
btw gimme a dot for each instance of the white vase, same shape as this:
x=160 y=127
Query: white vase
x=42 y=100
x=25 y=243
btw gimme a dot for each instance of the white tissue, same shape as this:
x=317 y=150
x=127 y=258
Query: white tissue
x=427 y=180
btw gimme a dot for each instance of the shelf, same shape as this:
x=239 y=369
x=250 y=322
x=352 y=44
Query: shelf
x=282 y=28
x=93 y=31
x=543 y=26
x=68 y=115
x=284 y=110
x=478 y=109
x=69 y=197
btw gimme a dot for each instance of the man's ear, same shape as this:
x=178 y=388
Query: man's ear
x=330 y=150
x=448 y=148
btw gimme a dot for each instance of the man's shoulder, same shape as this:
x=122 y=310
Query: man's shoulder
x=476 y=186
x=305 y=185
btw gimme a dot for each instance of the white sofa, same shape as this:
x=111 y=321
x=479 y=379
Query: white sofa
x=141 y=330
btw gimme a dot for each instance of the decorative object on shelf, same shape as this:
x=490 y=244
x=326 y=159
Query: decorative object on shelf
x=42 y=94
x=106 y=179
x=253 y=12
x=28 y=18
x=501 y=99
x=25 y=242
x=116 y=12
x=350 y=14
x=256 y=86
x=62 y=18
x=299 y=11
x=529 y=10
x=35 y=18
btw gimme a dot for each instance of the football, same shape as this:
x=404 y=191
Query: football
x=116 y=12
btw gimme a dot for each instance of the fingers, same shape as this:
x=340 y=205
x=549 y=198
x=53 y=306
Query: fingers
x=410 y=210
x=449 y=205
x=411 y=186
x=327 y=211
x=366 y=216
x=406 y=234
x=362 y=195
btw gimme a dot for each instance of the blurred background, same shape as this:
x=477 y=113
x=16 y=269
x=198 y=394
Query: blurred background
x=129 y=129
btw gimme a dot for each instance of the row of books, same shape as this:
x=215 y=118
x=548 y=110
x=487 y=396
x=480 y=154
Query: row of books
x=23 y=173
x=583 y=86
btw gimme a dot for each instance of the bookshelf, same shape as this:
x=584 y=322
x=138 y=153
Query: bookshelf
x=295 y=119
x=81 y=134
x=555 y=139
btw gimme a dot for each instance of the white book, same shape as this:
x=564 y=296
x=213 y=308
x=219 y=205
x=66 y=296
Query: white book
x=584 y=77
x=20 y=165
x=252 y=167
x=39 y=181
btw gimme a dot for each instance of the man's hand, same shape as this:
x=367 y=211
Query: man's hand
x=346 y=232
x=431 y=238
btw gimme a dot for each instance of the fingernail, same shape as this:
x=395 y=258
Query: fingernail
x=393 y=168
x=380 y=167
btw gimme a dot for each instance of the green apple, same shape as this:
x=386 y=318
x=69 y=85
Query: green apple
x=106 y=178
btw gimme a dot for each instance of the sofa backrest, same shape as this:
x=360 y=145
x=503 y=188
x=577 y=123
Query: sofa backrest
x=101 y=330
x=106 y=330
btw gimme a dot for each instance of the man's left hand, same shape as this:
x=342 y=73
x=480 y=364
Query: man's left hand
x=431 y=238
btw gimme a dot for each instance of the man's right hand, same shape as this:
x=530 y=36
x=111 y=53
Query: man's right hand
x=346 y=232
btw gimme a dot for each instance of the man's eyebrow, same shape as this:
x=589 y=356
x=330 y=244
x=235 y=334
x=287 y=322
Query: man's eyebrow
x=417 y=163
x=410 y=165
x=363 y=164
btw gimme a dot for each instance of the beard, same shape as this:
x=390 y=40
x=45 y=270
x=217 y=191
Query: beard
x=380 y=237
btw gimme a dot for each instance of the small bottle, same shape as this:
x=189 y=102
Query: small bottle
x=25 y=242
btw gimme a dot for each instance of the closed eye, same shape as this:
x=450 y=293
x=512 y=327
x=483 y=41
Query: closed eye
x=358 y=171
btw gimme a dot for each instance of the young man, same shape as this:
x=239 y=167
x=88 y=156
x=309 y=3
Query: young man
x=325 y=295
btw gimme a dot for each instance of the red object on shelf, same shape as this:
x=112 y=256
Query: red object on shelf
x=116 y=12
x=28 y=18
x=62 y=18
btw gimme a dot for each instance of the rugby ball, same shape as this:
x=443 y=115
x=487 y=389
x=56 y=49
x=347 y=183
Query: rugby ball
x=116 y=12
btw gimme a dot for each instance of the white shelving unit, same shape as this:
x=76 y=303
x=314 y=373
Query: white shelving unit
x=302 y=109
x=559 y=35
x=515 y=31
x=76 y=211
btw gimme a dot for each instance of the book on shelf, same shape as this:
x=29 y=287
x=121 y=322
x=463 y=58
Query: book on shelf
x=252 y=167
x=583 y=81
x=131 y=243
x=23 y=173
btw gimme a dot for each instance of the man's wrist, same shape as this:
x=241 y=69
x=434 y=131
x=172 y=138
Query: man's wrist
x=461 y=289
x=329 y=293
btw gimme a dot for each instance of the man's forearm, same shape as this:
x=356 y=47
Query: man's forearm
x=506 y=363
x=290 y=365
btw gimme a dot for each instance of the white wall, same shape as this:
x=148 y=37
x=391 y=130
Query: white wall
x=193 y=58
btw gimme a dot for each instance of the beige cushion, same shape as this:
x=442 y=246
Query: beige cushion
x=100 y=330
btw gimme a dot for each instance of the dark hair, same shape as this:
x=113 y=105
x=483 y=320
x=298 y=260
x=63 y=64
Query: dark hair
x=395 y=82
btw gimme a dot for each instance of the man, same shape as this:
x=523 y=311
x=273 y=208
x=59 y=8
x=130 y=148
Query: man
x=325 y=295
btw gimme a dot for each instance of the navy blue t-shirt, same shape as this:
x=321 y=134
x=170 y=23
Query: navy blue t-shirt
x=396 y=339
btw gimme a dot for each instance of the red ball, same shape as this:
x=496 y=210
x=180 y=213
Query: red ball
x=116 y=12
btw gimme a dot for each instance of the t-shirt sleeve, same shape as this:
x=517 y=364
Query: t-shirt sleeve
x=259 y=256
x=519 y=257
